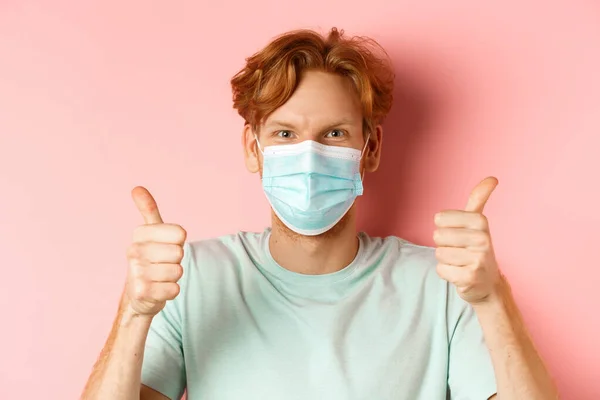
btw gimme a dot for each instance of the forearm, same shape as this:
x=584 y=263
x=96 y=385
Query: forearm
x=520 y=371
x=117 y=373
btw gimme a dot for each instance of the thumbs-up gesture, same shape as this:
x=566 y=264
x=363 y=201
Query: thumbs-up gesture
x=154 y=258
x=464 y=247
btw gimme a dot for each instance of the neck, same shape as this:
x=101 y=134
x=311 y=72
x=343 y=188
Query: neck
x=315 y=255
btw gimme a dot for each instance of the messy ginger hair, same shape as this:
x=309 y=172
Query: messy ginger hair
x=271 y=76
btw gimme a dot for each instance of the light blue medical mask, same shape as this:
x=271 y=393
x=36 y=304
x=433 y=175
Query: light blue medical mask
x=311 y=186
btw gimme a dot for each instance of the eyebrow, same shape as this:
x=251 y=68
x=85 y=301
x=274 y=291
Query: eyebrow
x=283 y=124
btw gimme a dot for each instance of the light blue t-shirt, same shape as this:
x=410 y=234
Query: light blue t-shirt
x=384 y=327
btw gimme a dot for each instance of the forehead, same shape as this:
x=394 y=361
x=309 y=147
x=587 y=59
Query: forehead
x=321 y=98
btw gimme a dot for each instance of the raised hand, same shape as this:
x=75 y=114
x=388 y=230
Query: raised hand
x=154 y=258
x=464 y=246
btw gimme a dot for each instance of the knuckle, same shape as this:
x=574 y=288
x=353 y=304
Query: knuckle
x=140 y=290
x=482 y=221
x=480 y=259
x=486 y=242
x=136 y=269
x=471 y=276
x=179 y=252
x=481 y=239
x=173 y=291
x=138 y=233
x=181 y=233
x=177 y=272
x=439 y=268
x=133 y=251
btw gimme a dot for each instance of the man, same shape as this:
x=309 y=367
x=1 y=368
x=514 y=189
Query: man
x=309 y=309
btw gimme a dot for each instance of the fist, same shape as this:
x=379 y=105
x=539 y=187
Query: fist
x=464 y=247
x=154 y=259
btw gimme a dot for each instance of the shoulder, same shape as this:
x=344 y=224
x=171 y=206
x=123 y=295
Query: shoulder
x=400 y=253
x=223 y=254
x=415 y=267
x=411 y=267
x=223 y=248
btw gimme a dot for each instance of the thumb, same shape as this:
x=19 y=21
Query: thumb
x=146 y=204
x=480 y=195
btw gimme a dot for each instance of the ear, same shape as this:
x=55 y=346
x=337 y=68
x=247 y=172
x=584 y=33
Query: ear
x=251 y=152
x=373 y=150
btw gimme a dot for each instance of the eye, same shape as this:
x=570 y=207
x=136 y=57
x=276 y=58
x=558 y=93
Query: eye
x=336 y=133
x=284 y=134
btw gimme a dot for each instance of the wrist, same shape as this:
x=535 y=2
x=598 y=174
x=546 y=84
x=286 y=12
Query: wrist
x=497 y=299
x=129 y=316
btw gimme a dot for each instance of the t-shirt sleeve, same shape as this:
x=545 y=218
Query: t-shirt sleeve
x=163 y=368
x=470 y=370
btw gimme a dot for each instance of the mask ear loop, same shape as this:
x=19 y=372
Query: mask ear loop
x=362 y=153
x=258 y=145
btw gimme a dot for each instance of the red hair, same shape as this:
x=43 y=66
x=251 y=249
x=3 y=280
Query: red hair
x=271 y=76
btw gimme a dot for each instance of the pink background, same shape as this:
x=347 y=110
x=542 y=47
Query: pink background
x=96 y=98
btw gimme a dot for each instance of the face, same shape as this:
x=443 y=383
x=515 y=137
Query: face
x=324 y=108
